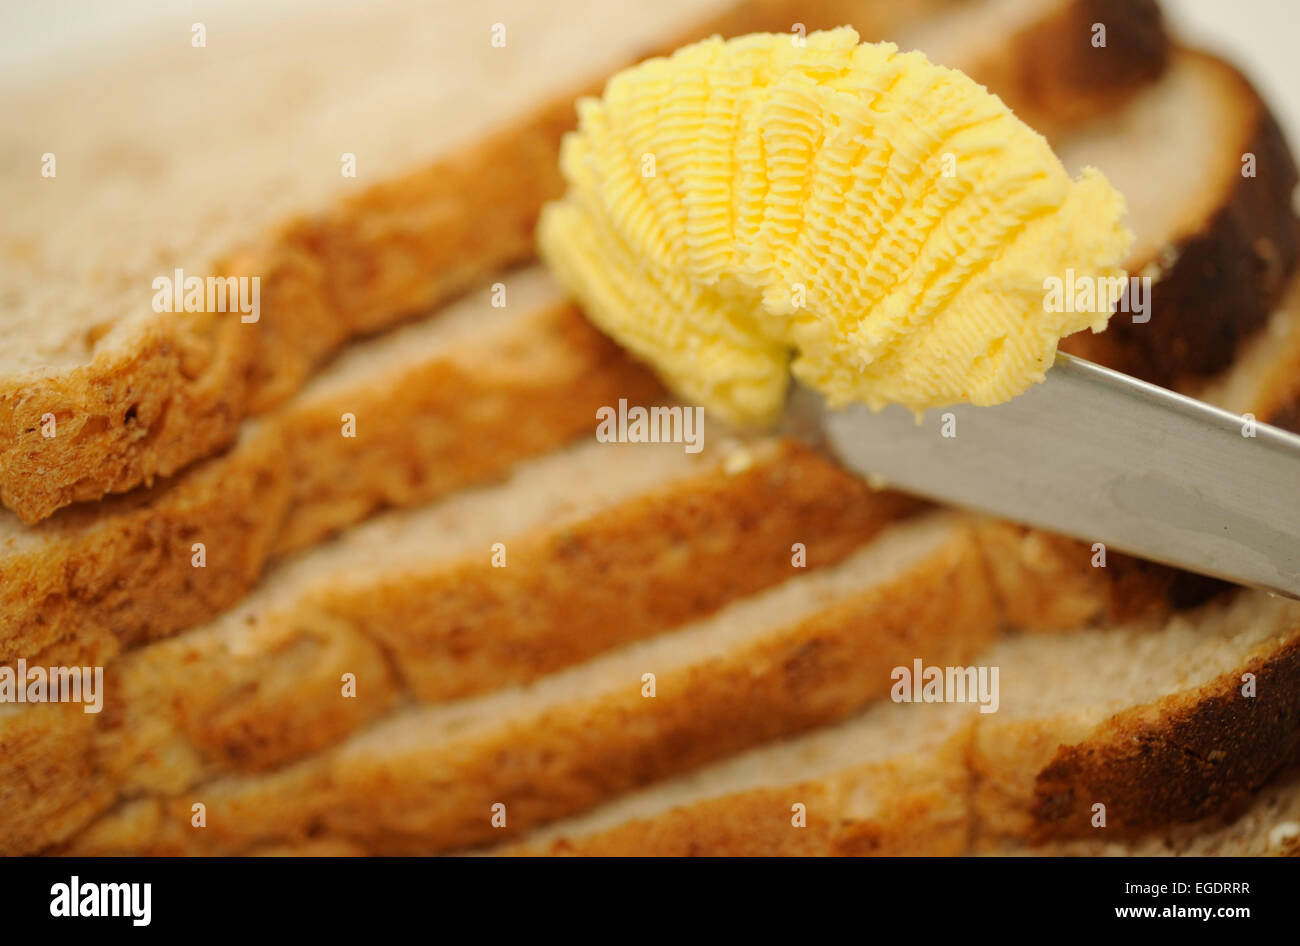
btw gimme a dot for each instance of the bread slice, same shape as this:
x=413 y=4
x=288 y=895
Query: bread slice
x=1153 y=725
x=413 y=606
x=1219 y=236
x=1161 y=728
x=135 y=394
x=441 y=406
x=891 y=782
x=810 y=650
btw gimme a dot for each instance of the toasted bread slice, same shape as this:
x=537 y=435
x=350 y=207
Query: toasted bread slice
x=812 y=649
x=100 y=393
x=1152 y=725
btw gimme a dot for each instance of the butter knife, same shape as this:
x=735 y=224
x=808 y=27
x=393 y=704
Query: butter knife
x=1102 y=457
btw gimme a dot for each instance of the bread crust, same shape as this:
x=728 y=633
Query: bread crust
x=130 y=415
x=1226 y=277
x=1182 y=758
x=179 y=392
x=1051 y=74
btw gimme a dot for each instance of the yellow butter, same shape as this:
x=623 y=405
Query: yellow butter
x=880 y=226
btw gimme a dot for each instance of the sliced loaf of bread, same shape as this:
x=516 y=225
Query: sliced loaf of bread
x=392 y=629
x=458 y=397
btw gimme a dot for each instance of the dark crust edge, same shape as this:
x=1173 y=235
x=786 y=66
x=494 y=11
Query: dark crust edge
x=1054 y=77
x=1179 y=759
x=1226 y=279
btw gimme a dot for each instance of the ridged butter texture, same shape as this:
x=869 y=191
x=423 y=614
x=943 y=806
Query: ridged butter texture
x=742 y=210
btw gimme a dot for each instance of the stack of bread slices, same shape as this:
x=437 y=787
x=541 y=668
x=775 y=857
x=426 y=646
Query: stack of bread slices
x=362 y=580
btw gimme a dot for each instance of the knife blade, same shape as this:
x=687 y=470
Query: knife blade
x=1102 y=457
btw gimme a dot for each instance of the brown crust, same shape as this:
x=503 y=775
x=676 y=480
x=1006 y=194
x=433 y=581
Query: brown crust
x=125 y=417
x=560 y=761
x=1053 y=77
x=119 y=575
x=1226 y=277
x=1182 y=758
x=397 y=249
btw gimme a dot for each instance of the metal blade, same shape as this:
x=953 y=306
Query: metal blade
x=1102 y=457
